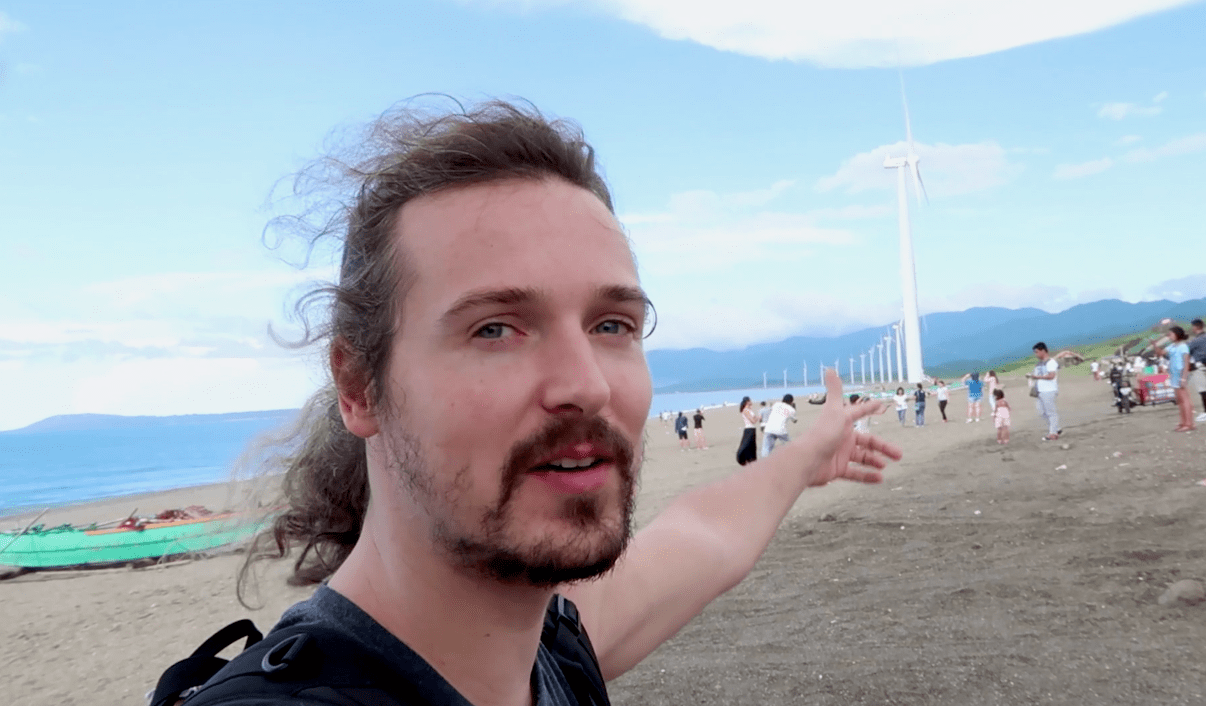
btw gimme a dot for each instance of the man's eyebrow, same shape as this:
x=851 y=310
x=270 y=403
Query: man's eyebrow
x=623 y=294
x=505 y=297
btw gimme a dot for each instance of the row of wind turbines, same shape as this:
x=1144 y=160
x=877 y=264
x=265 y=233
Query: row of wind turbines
x=881 y=351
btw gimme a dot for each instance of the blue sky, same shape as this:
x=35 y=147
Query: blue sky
x=1060 y=142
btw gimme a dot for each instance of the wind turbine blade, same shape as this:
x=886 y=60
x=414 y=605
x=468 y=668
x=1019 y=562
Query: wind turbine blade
x=918 y=184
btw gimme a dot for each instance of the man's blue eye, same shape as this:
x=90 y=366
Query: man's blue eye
x=613 y=327
x=491 y=331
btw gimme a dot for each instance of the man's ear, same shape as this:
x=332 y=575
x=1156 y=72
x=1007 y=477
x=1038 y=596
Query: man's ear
x=353 y=385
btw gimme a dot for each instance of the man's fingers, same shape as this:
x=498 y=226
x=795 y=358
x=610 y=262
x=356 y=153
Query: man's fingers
x=833 y=387
x=877 y=445
x=867 y=408
x=859 y=475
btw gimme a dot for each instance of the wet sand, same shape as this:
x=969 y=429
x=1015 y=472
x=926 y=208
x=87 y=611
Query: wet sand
x=975 y=574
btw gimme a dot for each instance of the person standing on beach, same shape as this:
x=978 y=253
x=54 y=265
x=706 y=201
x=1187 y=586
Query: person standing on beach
x=776 y=424
x=1000 y=416
x=680 y=428
x=1045 y=376
x=991 y=384
x=943 y=395
x=747 y=450
x=902 y=404
x=975 y=390
x=1095 y=368
x=700 y=442
x=1178 y=376
x=763 y=415
x=919 y=405
x=470 y=471
x=1197 y=362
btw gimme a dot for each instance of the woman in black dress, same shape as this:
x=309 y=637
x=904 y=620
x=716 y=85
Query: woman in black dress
x=747 y=450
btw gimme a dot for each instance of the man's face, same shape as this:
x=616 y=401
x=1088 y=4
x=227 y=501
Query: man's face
x=518 y=389
x=1042 y=354
x=1198 y=330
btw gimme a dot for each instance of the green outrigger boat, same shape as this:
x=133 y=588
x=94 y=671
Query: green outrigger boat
x=67 y=547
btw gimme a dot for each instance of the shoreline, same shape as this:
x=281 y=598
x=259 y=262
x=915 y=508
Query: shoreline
x=219 y=496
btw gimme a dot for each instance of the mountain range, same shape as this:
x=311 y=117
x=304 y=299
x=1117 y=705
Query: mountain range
x=952 y=343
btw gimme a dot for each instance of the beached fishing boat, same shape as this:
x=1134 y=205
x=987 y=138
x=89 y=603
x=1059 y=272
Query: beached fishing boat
x=68 y=546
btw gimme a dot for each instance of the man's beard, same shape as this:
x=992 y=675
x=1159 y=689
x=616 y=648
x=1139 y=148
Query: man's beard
x=589 y=544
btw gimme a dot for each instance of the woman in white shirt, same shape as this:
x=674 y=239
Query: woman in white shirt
x=991 y=385
x=944 y=396
x=902 y=404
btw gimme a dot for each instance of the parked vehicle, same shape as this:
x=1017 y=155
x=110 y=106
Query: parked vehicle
x=1124 y=393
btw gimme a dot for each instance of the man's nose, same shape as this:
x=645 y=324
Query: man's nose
x=574 y=379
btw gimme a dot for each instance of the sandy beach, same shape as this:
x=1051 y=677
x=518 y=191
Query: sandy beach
x=975 y=574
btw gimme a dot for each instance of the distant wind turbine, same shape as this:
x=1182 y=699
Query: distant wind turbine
x=908 y=267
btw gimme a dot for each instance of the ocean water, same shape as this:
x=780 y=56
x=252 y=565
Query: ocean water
x=686 y=401
x=51 y=468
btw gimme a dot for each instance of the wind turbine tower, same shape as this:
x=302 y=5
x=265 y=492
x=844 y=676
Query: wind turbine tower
x=908 y=267
x=888 y=355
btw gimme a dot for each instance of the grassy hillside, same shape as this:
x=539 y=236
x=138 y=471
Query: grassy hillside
x=1091 y=351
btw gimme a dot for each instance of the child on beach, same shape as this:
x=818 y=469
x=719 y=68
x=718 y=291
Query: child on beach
x=902 y=404
x=1000 y=416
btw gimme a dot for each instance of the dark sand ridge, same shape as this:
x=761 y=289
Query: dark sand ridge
x=1047 y=595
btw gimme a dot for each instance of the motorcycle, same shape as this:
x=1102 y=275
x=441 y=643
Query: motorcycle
x=1124 y=393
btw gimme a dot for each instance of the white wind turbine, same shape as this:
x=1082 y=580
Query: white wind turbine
x=908 y=269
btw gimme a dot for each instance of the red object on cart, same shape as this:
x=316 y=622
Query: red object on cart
x=1154 y=389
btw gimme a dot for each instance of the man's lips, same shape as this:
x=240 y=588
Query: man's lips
x=574 y=457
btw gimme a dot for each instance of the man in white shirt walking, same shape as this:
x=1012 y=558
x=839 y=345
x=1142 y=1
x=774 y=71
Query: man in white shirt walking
x=775 y=431
x=1045 y=380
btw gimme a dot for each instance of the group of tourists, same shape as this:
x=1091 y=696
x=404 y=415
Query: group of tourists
x=771 y=420
x=680 y=428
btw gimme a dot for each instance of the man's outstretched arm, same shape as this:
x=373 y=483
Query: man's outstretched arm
x=709 y=538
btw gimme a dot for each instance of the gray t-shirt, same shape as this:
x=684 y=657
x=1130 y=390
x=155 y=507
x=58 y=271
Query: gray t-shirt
x=328 y=608
x=1197 y=348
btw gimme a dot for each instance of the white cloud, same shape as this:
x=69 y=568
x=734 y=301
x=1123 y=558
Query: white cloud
x=1180 y=289
x=867 y=33
x=947 y=170
x=9 y=26
x=703 y=230
x=1118 y=111
x=1127 y=140
x=1173 y=148
x=1159 y=97
x=1076 y=171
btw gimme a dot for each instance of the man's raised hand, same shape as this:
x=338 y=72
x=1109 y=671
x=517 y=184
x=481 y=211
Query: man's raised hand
x=843 y=452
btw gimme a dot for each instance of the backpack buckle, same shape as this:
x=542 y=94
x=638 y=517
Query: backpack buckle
x=283 y=653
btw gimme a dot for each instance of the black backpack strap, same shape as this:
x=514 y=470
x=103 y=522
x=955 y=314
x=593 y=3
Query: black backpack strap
x=203 y=663
x=566 y=639
x=307 y=664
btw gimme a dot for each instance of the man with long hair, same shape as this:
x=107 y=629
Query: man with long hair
x=477 y=451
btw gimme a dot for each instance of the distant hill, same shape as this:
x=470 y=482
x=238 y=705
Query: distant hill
x=952 y=342
x=89 y=422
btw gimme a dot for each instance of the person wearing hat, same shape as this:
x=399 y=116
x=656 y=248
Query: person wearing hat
x=776 y=424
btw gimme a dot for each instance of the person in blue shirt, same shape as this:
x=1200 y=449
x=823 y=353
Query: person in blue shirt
x=1178 y=375
x=975 y=392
